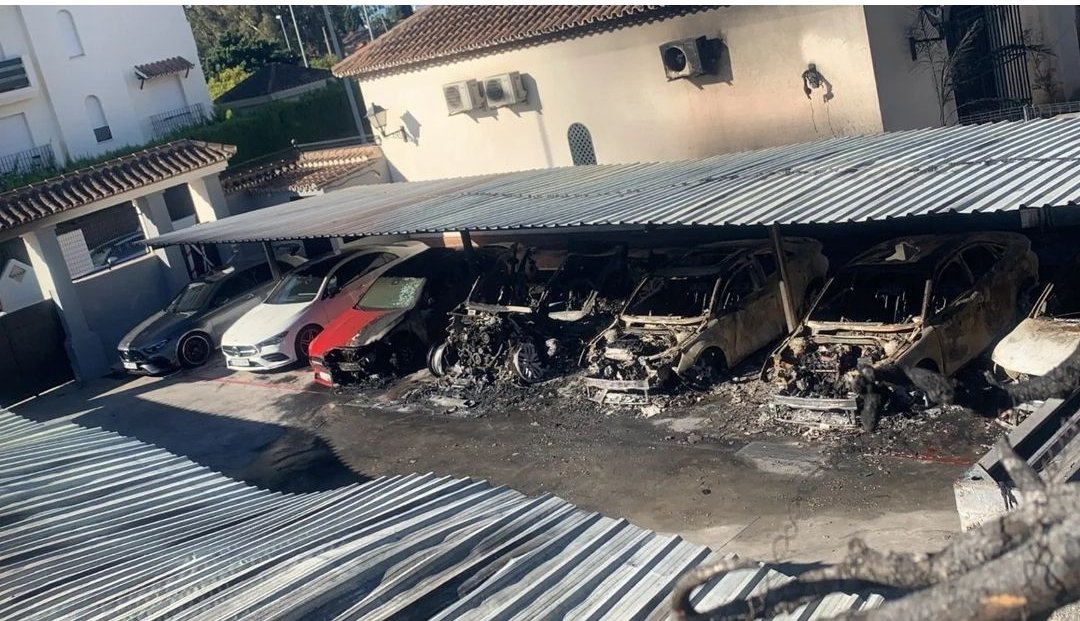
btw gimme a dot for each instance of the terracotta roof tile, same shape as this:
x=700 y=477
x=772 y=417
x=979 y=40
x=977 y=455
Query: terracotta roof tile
x=300 y=170
x=110 y=178
x=450 y=31
x=169 y=66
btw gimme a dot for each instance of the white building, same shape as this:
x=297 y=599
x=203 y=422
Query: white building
x=80 y=81
x=471 y=90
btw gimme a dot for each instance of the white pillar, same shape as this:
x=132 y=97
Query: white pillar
x=84 y=346
x=208 y=198
x=155 y=220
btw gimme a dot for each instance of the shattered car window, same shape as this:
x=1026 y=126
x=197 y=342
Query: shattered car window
x=191 y=298
x=673 y=296
x=579 y=278
x=877 y=296
x=391 y=293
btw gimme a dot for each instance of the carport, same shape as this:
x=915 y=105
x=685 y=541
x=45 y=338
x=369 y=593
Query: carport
x=1016 y=175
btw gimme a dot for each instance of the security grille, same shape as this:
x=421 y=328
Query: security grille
x=992 y=75
x=581 y=145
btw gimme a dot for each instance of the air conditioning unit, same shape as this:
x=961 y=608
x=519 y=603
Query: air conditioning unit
x=689 y=57
x=504 y=90
x=462 y=96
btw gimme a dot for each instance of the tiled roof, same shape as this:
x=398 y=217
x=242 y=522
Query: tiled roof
x=300 y=169
x=448 y=31
x=110 y=178
x=272 y=78
x=169 y=66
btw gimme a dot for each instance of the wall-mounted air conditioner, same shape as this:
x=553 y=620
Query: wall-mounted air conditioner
x=504 y=90
x=689 y=57
x=462 y=96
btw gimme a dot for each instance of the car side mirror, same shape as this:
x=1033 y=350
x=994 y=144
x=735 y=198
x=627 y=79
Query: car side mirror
x=111 y=261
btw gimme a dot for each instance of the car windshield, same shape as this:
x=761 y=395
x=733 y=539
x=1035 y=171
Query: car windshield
x=872 y=296
x=303 y=284
x=191 y=298
x=673 y=296
x=392 y=292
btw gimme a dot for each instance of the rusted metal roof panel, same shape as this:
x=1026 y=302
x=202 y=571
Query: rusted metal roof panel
x=94 y=525
x=971 y=169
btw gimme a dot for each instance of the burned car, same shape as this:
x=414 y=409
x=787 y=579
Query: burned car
x=932 y=302
x=395 y=322
x=706 y=311
x=1050 y=334
x=530 y=313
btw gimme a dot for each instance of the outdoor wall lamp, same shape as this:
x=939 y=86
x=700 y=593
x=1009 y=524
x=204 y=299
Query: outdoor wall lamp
x=376 y=114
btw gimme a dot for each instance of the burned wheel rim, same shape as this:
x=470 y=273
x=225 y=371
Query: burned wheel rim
x=527 y=364
x=194 y=350
x=303 y=341
x=706 y=370
x=440 y=358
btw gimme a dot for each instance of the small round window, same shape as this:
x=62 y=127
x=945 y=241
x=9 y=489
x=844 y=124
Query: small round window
x=581 y=146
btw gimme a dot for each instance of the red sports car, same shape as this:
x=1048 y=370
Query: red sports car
x=391 y=327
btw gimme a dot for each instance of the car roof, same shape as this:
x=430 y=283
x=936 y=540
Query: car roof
x=925 y=252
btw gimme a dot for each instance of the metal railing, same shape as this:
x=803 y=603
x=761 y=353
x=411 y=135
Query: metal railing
x=13 y=74
x=174 y=120
x=29 y=161
x=1023 y=113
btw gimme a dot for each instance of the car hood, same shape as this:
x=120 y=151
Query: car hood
x=264 y=321
x=160 y=325
x=1037 y=345
x=356 y=328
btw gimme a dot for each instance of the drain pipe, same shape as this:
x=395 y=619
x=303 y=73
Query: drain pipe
x=785 y=290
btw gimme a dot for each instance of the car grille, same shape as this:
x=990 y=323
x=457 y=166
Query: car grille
x=131 y=356
x=239 y=350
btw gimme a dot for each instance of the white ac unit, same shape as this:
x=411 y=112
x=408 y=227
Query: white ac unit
x=504 y=90
x=462 y=96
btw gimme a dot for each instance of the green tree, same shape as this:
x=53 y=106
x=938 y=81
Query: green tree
x=225 y=80
x=236 y=50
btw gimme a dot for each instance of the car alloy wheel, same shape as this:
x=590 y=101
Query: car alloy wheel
x=527 y=364
x=440 y=358
x=304 y=338
x=194 y=350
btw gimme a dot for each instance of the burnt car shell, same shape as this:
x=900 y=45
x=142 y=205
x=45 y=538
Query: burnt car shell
x=709 y=309
x=928 y=301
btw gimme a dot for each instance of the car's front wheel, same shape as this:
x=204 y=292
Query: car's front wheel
x=304 y=338
x=194 y=350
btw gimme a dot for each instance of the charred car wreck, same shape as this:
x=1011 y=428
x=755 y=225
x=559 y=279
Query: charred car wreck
x=706 y=311
x=530 y=313
x=932 y=302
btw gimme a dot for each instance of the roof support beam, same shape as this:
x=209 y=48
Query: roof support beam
x=785 y=290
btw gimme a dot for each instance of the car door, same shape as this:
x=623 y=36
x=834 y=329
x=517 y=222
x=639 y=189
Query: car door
x=746 y=311
x=956 y=310
x=222 y=309
x=251 y=284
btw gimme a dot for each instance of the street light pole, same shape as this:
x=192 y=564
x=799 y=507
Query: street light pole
x=299 y=41
x=284 y=33
x=348 y=83
x=367 y=23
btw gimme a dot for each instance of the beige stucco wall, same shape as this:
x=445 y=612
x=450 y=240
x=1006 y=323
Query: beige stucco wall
x=1055 y=28
x=614 y=84
x=905 y=87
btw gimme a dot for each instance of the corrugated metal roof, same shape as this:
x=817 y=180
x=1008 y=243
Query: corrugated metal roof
x=94 y=525
x=970 y=169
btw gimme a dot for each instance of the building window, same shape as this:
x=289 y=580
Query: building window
x=69 y=34
x=96 y=116
x=581 y=147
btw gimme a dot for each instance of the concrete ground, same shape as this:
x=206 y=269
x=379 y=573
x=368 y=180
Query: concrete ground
x=777 y=500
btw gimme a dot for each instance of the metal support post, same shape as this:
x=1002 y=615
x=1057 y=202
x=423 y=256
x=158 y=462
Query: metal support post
x=785 y=291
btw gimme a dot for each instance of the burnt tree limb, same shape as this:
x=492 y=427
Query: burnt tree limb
x=1023 y=565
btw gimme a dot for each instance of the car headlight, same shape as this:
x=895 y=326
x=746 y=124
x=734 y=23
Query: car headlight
x=273 y=340
x=155 y=347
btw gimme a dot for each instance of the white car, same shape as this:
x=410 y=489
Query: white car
x=278 y=332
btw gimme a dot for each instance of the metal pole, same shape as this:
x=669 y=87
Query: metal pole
x=467 y=247
x=367 y=23
x=275 y=269
x=284 y=32
x=299 y=41
x=326 y=39
x=348 y=83
x=785 y=292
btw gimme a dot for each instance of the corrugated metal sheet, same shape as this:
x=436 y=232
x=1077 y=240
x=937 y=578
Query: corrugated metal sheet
x=981 y=168
x=97 y=526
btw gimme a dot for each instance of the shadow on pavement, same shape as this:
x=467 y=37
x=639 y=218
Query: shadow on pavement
x=267 y=455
